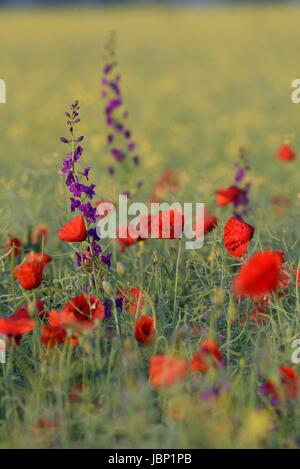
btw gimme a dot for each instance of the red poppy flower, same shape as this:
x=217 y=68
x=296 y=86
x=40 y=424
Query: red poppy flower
x=45 y=428
x=289 y=380
x=53 y=334
x=258 y=313
x=39 y=233
x=75 y=395
x=84 y=309
x=132 y=299
x=30 y=274
x=39 y=304
x=16 y=244
x=145 y=330
x=56 y=332
x=269 y=389
x=16 y=325
x=166 y=370
x=39 y=257
x=126 y=241
x=105 y=206
x=46 y=424
x=132 y=234
x=208 y=355
x=280 y=203
x=237 y=235
x=228 y=196
x=210 y=222
x=259 y=275
x=73 y=231
x=171 y=224
x=23 y=311
x=286 y=153
x=169 y=181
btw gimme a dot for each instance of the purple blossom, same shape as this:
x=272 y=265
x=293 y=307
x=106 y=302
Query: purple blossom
x=242 y=204
x=88 y=211
x=107 y=309
x=77 y=153
x=119 y=303
x=75 y=203
x=106 y=259
x=86 y=172
x=118 y=154
x=92 y=232
x=67 y=165
x=96 y=249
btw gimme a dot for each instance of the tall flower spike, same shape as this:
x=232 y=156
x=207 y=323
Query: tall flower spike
x=121 y=145
x=81 y=192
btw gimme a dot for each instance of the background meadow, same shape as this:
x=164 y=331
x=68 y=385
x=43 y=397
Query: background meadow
x=199 y=84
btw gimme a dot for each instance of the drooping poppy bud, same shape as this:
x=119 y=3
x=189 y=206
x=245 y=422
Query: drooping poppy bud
x=30 y=274
x=237 y=235
x=145 y=330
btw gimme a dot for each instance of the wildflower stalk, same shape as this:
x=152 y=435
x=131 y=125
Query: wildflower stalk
x=81 y=193
x=12 y=272
x=176 y=276
x=119 y=137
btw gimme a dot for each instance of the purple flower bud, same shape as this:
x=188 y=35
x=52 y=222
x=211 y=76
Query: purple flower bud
x=64 y=140
x=107 y=309
x=79 y=139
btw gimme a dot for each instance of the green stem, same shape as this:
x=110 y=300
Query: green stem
x=176 y=276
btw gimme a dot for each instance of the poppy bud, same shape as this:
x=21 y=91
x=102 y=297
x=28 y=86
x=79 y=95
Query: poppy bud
x=107 y=287
x=120 y=269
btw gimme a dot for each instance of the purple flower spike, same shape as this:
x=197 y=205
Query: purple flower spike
x=81 y=194
x=119 y=138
